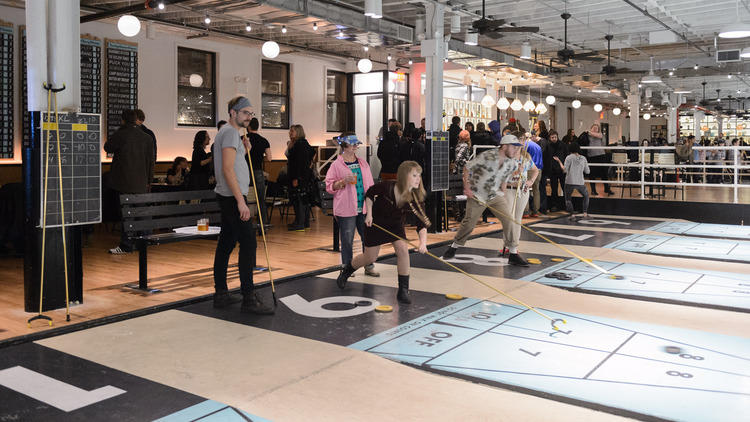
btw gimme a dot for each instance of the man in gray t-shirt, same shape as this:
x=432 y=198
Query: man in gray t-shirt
x=229 y=137
x=232 y=184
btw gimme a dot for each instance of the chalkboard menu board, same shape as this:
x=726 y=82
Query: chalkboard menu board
x=25 y=115
x=122 y=81
x=91 y=75
x=80 y=140
x=6 y=90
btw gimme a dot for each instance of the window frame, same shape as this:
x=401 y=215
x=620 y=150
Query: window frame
x=212 y=54
x=345 y=102
x=288 y=95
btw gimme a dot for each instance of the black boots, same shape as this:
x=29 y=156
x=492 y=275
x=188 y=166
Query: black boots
x=252 y=304
x=450 y=252
x=403 y=289
x=344 y=275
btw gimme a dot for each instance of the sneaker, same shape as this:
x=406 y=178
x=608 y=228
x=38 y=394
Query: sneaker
x=118 y=251
x=450 y=252
x=371 y=272
x=253 y=305
x=293 y=228
x=533 y=215
x=517 y=260
x=504 y=253
x=526 y=216
x=225 y=299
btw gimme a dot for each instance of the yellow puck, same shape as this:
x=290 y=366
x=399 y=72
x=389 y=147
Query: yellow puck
x=534 y=261
x=453 y=296
x=557 y=260
x=384 y=308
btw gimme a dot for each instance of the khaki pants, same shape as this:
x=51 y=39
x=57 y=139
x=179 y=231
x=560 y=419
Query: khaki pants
x=511 y=231
x=536 y=193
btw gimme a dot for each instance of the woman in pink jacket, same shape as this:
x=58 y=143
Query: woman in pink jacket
x=347 y=180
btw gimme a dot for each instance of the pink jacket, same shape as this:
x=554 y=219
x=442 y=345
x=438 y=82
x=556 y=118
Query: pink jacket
x=345 y=200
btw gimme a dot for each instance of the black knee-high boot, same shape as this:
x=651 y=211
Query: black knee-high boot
x=403 y=289
x=344 y=275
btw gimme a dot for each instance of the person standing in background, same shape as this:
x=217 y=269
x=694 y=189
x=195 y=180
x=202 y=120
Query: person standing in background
x=140 y=117
x=132 y=167
x=260 y=152
x=232 y=185
x=388 y=152
x=575 y=167
x=200 y=163
x=556 y=149
x=535 y=151
x=300 y=176
x=453 y=132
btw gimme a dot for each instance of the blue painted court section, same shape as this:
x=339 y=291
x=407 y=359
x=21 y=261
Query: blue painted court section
x=603 y=363
x=690 y=247
x=211 y=411
x=714 y=288
x=725 y=231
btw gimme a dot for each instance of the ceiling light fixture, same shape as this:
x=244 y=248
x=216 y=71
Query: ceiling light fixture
x=374 y=8
x=207 y=19
x=736 y=29
x=410 y=62
x=616 y=111
x=389 y=57
x=597 y=107
x=283 y=29
x=600 y=89
x=270 y=49
x=529 y=105
x=682 y=91
x=315 y=26
x=129 y=25
x=745 y=53
x=651 y=78
x=364 y=65
x=471 y=38
x=341 y=34
x=525 y=50
x=366 y=48
x=487 y=100
x=455 y=23
x=550 y=99
x=576 y=104
x=695 y=67
x=161 y=5
x=646 y=116
x=248 y=28
x=446 y=60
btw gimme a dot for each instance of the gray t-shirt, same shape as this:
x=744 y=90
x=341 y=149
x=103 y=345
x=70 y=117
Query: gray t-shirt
x=229 y=137
x=575 y=166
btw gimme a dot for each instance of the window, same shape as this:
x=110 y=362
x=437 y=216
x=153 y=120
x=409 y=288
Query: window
x=336 y=115
x=275 y=95
x=196 y=87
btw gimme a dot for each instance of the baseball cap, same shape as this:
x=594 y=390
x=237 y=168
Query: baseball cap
x=349 y=139
x=510 y=140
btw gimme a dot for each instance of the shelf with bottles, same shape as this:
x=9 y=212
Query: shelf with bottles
x=468 y=111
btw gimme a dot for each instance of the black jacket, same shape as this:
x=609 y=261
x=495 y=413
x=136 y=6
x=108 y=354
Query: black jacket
x=150 y=133
x=453 y=132
x=388 y=152
x=300 y=159
x=132 y=161
x=555 y=149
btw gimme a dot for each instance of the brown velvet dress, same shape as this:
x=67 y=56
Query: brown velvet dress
x=386 y=214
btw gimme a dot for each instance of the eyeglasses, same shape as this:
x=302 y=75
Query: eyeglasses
x=247 y=113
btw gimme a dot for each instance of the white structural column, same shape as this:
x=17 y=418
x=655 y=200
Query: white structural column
x=53 y=39
x=698 y=117
x=434 y=49
x=634 y=100
x=672 y=119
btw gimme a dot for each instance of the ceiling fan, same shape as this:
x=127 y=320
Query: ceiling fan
x=493 y=28
x=703 y=102
x=566 y=54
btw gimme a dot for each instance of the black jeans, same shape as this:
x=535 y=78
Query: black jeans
x=232 y=230
x=556 y=179
x=260 y=182
x=598 y=172
x=301 y=209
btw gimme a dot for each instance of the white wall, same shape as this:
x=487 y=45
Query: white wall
x=157 y=85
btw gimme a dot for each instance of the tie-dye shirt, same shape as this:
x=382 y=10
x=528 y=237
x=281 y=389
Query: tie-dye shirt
x=487 y=173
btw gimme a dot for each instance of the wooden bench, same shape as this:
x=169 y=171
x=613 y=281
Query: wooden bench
x=148 y=219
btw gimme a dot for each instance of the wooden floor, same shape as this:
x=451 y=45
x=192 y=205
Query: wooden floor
x=181 y=270
x=184 y=270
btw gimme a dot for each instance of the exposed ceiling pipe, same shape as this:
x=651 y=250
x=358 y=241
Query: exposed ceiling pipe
x=669 y=28
x=138 y=7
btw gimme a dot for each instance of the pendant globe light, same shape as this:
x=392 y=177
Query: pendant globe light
x=540 y=107
x=364 y=65
x=488 y=101
x=597 y=107
x=270 y=49
x=529 y=105
x=576 y=103
x=516 y=105
x=129 y=25
x=503 y=103
x=550 y=99
x=616 y=111
x=646 y=116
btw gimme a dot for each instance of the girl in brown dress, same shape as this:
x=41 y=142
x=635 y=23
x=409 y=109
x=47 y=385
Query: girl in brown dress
x=388 y=203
